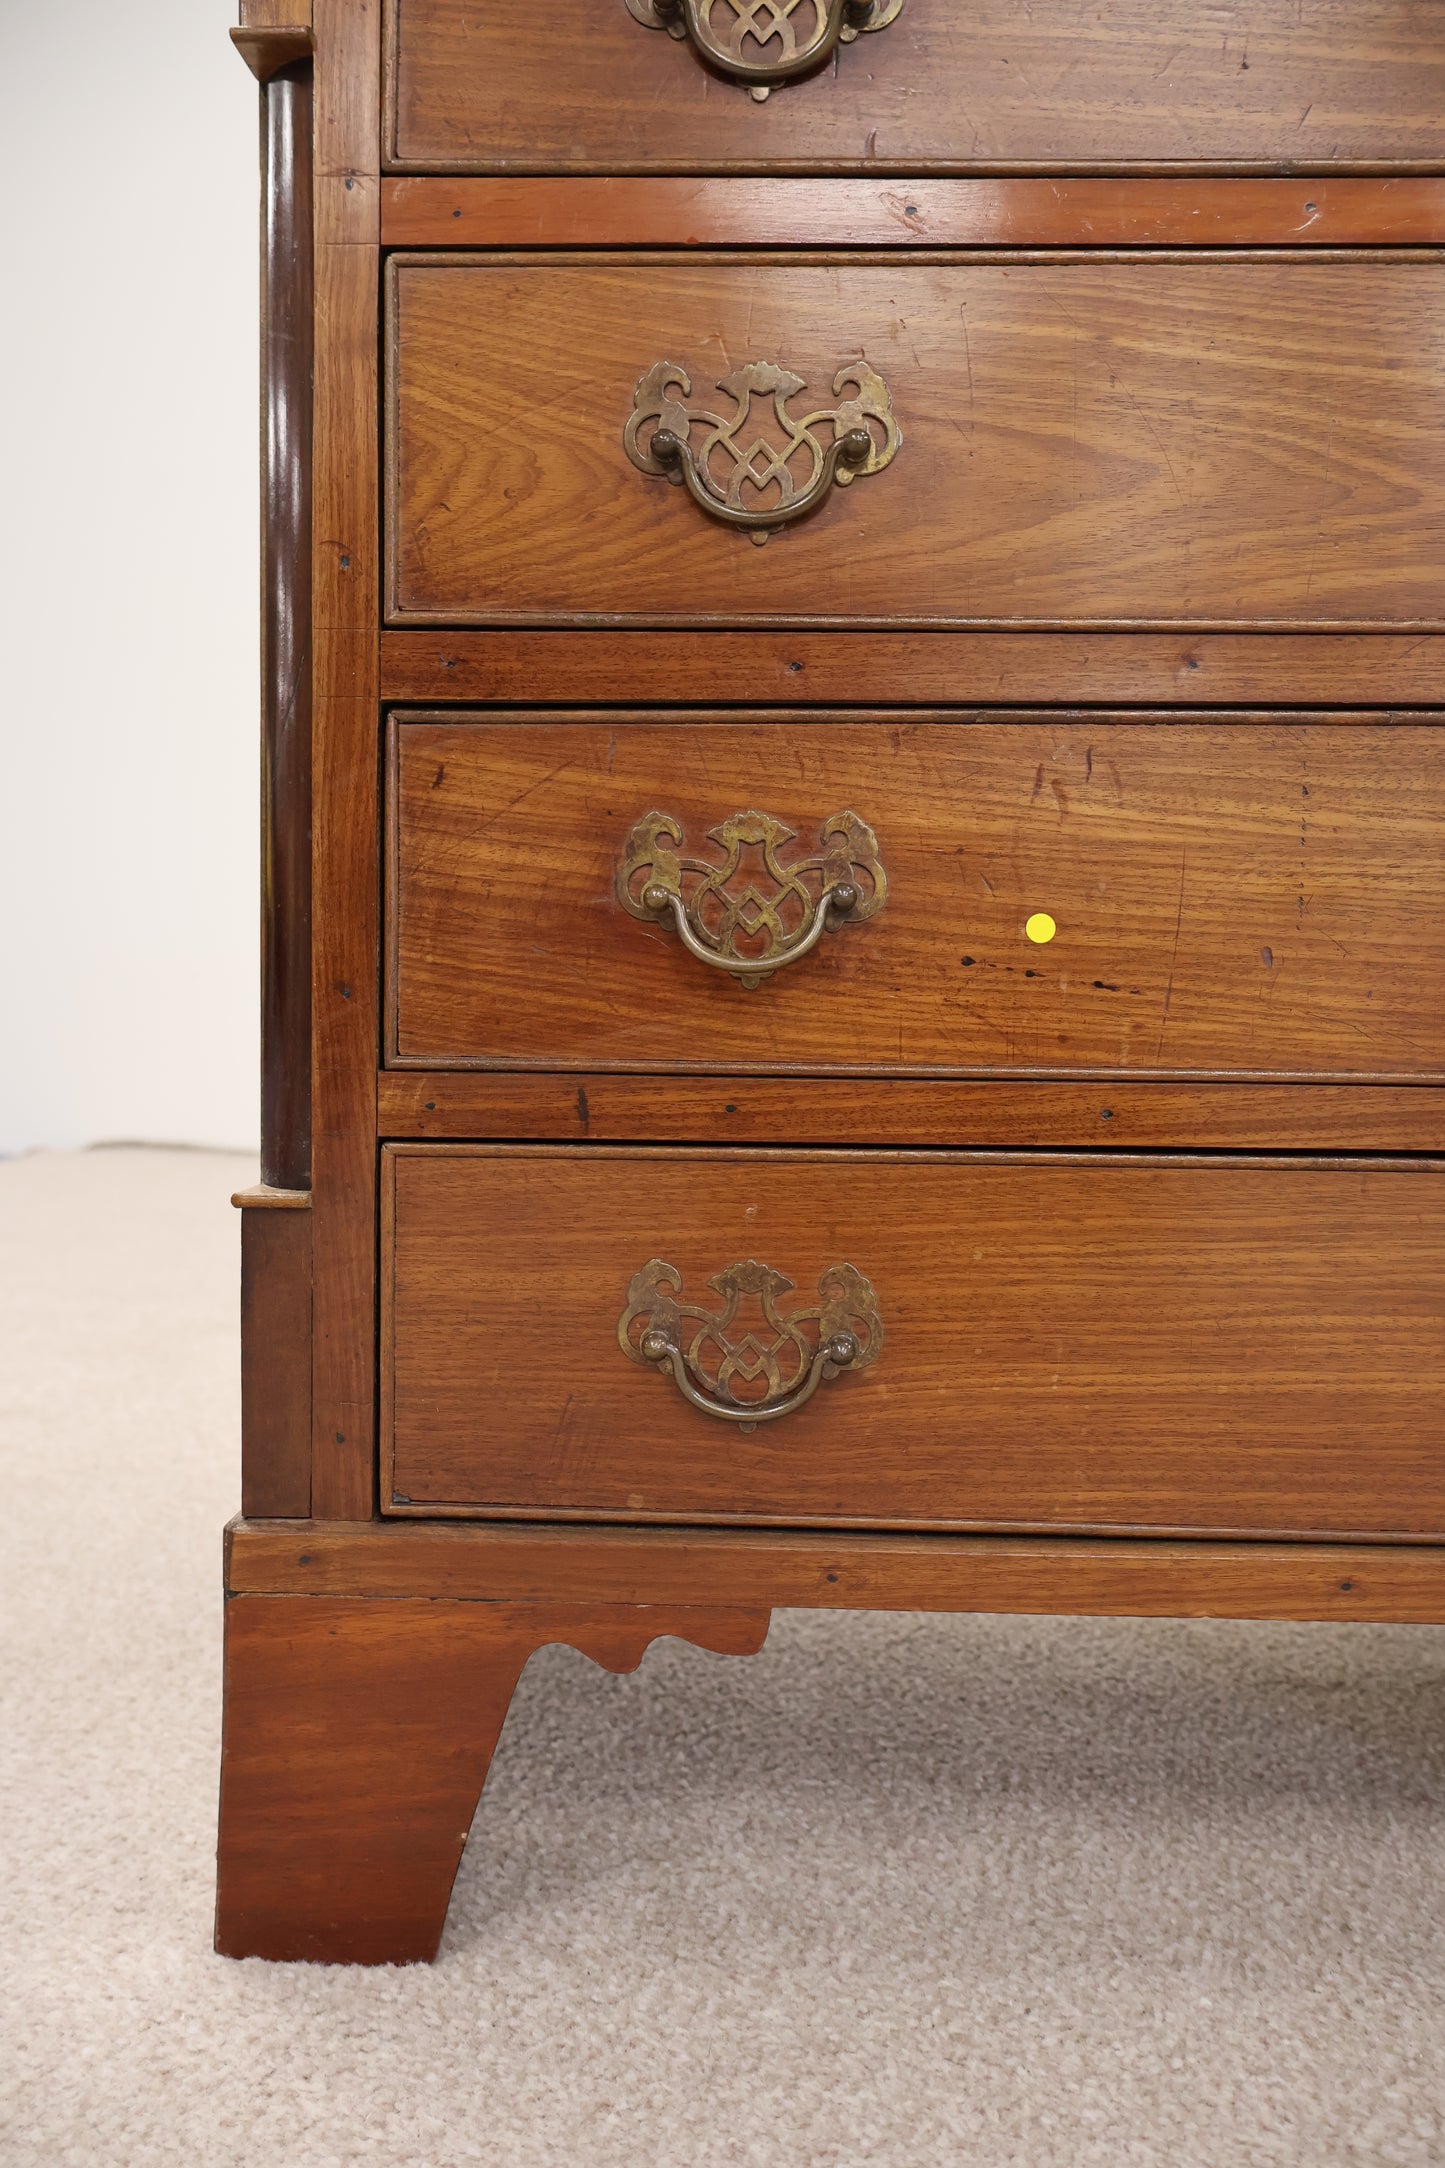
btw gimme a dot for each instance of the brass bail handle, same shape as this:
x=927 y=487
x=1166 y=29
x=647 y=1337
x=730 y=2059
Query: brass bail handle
x=749 y=1339
x=786 y=463
x=769 y=25
x=850 y=451
x=751 y=920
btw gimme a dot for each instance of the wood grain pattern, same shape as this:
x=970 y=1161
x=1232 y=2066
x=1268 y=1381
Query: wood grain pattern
x=275 y=14
x=345 y=586
x=900 y=669
x=440 y=1105
x=348 y=121
x=357 y=1740
x=268 y=49
x=275 y=1358
x=798 y=1569
x=770 y=212
x=1061 y=85
x=1078 y=448
x=1095 y=1344
x=1255 y=895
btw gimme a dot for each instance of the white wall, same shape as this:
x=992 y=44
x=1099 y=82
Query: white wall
x=128 y=581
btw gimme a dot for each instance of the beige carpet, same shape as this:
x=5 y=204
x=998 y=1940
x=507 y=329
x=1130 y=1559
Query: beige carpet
x=899 y=1892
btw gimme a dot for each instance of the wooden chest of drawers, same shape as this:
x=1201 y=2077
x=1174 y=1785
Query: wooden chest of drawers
x=854 y=893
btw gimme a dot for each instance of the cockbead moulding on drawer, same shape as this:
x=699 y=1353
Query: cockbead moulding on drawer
x=865 y=882
x=1075 y=454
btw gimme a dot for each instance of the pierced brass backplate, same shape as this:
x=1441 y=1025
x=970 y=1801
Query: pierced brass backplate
x=710 y=1357
x=788 y=38
x=779 y=454
x=751 y=921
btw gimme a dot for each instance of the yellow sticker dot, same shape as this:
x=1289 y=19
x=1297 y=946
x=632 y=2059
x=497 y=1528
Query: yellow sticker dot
x=1040 y=927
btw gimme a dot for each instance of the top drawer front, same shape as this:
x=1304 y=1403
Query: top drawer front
x=512 y=87
x=1139 y=441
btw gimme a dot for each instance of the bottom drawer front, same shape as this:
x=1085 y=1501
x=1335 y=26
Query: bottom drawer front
x=1073 y=1343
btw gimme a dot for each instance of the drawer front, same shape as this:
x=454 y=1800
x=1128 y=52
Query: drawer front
x=1086 y=1343
x=510 y=87
x=1144 y=441
x=1260 y=895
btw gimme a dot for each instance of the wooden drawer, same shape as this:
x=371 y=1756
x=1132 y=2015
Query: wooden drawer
x=1261 y=895
x=1225 y=441
x=509 y=87
x=1067 y=1343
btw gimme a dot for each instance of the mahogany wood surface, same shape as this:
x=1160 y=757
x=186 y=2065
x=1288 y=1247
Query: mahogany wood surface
x=510 y=87
x=611 y=1108
x=871 y=669
x=275 y=1358
x=1256 y=895
x=1012 y=212
x=287 y=367
x=786 y=1569
x=1089 y=1344
x=1078 y=448
x=344 y=882
x=266 y=51
x=357 y=1740
x=275 y=14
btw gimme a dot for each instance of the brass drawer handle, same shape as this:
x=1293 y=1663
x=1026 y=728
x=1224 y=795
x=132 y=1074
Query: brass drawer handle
x=830 y=23
x=715 y=472
x=789 y=1356
x=777 y=915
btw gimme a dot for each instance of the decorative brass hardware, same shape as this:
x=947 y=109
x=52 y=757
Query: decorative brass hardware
x=757 y=464
x=753 y=932
x=791 y=1362
x=720 y=30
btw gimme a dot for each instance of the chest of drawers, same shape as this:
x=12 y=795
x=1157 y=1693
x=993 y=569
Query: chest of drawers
x=852 y=817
